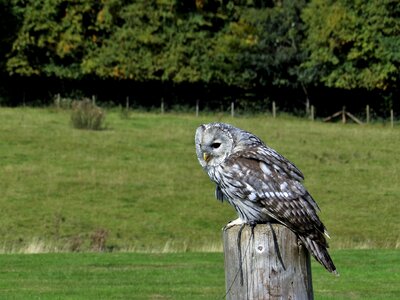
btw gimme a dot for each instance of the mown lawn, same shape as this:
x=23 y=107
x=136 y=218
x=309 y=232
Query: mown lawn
x=137 y=186
x=365 y=274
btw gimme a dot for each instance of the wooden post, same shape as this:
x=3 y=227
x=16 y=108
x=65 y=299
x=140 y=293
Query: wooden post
x=127 y=103
x=312 y=113
x=162 y=105
x=94 y=99
x=58 y=100
x=273 y=109
x=232 y=109
x=197 y=107
x=367 y=113
x=391 y=118
x=344 y=114
x=254 y=270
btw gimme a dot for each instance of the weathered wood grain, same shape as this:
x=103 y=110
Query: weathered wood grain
x=253 y=269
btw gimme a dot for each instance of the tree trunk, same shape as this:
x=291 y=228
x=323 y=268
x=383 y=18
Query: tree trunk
x=270 y=264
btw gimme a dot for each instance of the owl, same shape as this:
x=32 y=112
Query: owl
x=261 y=185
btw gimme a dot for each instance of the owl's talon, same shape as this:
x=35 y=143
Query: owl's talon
x=237 y=221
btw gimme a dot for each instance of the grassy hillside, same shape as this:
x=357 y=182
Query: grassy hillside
x=138 y=185
x=365 y=274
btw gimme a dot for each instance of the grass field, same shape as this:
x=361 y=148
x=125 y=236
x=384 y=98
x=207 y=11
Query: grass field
x=365 y=274
x=137 y=186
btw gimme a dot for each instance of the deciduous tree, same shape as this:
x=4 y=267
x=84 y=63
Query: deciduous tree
x=353 y=44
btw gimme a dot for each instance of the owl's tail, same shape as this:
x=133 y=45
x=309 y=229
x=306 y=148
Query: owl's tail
x=320 y=252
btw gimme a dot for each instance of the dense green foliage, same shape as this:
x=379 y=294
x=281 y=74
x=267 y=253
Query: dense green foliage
x=365 y=274
x=244 y=44
x=353 y=44
x=137 y=185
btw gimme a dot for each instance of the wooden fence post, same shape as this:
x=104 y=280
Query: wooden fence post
x=256 y=269
x=391 y=118
x=58 y=100
x=344 y=115
x=273 y=109
x=312 y=113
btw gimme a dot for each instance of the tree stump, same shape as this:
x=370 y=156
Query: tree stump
x=270 y=264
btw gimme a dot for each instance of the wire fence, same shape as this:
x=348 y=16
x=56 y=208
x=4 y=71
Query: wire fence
x=344 y=116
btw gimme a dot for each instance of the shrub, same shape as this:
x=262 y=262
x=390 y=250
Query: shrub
x=86 y=115
x=75 y=243
x=98 y=240
x=62 y=103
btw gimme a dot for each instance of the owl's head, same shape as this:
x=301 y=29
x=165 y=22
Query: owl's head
x=214 y=142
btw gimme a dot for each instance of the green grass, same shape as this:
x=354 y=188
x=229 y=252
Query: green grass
x=111 y=276
x=365 y=274
x=140 y=181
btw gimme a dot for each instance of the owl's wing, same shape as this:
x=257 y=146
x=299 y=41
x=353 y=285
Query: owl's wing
x=264 y=177
x=271 y=157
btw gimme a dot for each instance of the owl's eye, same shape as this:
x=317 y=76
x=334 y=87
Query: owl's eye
x=215 y=145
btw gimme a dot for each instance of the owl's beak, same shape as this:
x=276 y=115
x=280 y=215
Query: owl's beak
x=206 y=156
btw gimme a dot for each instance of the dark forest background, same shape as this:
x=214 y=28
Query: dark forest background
x=252 y=52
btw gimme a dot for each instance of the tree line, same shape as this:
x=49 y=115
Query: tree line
x=257 y=48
